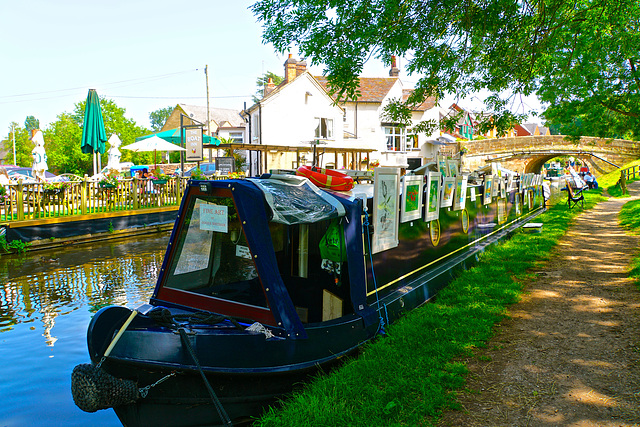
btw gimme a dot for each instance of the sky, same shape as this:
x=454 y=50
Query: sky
x=142 y=54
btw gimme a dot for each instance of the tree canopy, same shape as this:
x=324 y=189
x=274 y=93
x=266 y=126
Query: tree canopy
x=159 y=117
x=262 y=81
x=580 y=56
x=31 y=123
x=62 y=139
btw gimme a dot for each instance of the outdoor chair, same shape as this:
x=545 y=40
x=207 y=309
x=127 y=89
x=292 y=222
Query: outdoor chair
x=574 y=196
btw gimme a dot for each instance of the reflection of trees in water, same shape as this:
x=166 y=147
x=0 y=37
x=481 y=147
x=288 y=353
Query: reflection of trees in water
x=43 y=287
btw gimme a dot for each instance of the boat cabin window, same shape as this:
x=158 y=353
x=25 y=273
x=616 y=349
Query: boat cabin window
x=319 y=289
x=212 y=256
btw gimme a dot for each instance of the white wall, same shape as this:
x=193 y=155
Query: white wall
x=288 y=119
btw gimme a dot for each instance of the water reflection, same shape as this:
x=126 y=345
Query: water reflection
x=41 y=286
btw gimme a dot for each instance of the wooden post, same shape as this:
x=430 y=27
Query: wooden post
x=20 y=201
x=83 y=195
x=134 y=189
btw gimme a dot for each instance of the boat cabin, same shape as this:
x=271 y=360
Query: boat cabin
x=271 y=251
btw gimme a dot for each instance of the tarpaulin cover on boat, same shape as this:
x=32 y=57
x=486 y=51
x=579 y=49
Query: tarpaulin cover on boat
x=295 y=200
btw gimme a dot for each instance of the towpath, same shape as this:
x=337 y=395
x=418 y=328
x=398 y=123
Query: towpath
x=569 y=354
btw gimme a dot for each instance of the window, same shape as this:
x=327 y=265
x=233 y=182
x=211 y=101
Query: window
x=236 y=137
x=213 y=256
x=412 y=140
x=324 y=128
x=395 y=138
x=255 y=124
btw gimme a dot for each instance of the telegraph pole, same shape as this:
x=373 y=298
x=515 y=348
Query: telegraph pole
x=206 y=73
x=13 y=134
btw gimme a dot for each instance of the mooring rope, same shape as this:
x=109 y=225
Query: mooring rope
x=163 y=317
x=216 y=402
x=365 y=230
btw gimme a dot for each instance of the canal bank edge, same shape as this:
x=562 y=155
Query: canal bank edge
x=50 y=233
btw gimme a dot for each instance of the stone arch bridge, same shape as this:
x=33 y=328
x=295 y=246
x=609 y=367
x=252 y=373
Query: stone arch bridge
x=528 y=154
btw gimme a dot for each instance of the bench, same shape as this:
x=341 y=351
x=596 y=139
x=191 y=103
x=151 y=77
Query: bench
x=574 y=196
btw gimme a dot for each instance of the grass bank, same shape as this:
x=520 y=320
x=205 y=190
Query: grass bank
x=410 y=376
x=609 y=180
x=630 y=219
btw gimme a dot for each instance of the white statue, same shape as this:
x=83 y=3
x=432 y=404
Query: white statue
x=114 y=153
x=39 y=165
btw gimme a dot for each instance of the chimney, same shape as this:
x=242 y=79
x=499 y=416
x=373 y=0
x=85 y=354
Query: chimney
x=270 y=87
x=301 y=67
x=395 y=71
x=290 y=69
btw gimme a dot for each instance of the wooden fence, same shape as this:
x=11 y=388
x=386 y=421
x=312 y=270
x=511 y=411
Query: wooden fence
x=632 y=172
x=47 y=200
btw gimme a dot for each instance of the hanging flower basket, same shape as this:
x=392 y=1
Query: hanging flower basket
x=107 y=185
x=159 y=181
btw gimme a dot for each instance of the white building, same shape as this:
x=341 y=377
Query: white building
x=301 y=110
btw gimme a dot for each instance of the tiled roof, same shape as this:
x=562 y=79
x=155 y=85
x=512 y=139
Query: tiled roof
x=219 y=115
x=427 y=104
x=372 y=89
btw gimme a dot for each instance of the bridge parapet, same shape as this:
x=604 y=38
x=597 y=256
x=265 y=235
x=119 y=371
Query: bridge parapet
x=529 y=153
x=557 y=142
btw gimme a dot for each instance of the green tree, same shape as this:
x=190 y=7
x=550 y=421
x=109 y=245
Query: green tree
x=62 y=143
x=31 y=123
x=159 y=117
x=24 y=145
x=239 y=160
x=581 y=56
x=262 y=81
x=116 y=122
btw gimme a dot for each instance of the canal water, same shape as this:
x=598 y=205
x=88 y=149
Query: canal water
x=47 y=299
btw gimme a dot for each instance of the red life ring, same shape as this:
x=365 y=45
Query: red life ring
x=327 y=178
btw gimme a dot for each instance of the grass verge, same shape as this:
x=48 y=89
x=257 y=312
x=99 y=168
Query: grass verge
x=609 y=180
x=630 y=218
x=409 y=377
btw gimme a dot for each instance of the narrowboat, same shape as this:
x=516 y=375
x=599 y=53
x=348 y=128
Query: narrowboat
x=266 y=280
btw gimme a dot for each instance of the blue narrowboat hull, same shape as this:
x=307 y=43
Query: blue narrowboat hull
x=249 y=370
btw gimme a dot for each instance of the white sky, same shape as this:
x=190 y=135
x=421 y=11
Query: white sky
x=142 y=54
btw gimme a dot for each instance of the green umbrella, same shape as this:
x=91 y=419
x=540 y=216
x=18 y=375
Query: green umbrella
x=173 y=135
x=94 y=136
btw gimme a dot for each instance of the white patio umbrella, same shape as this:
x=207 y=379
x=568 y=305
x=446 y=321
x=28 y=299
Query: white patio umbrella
x=153 y=144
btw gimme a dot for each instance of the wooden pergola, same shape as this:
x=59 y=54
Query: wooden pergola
x=358 y=157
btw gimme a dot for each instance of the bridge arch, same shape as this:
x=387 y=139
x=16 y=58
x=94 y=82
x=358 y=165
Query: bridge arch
x=530 y=153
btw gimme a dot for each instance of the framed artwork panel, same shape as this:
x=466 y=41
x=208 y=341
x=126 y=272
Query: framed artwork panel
x=460 y=196
x=453 y=167
x=448 y=188
x=488 y=189
x=386 y=191
x=432 y=197
x=411 y=207
x=495 y=186
x=443 y=166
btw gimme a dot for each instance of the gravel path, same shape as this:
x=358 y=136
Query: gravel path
x=569 y=353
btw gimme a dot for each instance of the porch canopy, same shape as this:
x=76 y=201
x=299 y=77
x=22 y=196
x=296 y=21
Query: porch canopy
x=358 y=156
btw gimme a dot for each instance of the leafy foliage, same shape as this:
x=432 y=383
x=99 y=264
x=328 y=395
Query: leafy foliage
x=31 y=123
x=239 y=160
x=579 y=56
x=24 y=145
x=159 y=117
x=261 y=84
